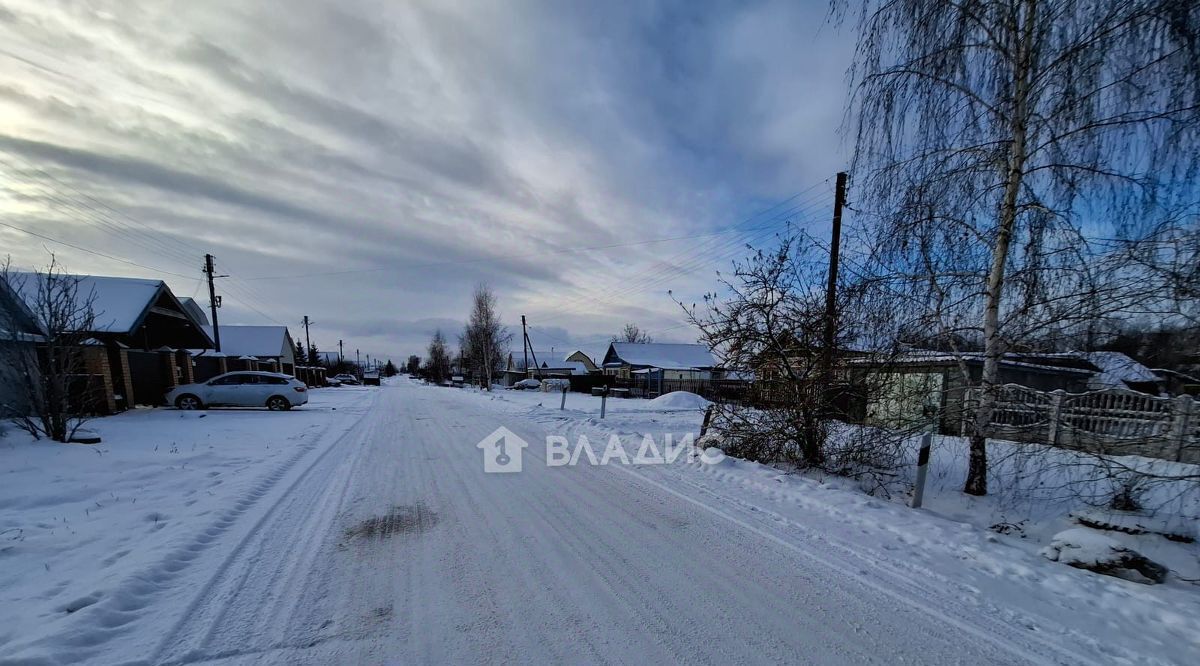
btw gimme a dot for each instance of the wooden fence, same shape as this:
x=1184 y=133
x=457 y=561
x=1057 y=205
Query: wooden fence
x=1113 y=422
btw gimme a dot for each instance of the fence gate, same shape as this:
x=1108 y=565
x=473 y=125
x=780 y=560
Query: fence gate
x=149 y=377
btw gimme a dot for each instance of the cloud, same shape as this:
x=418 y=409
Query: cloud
x=374 y=160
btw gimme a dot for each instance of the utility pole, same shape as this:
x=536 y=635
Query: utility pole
x=830 y=337
x=524 y=344
x=341 y=359
x=357 y=363
x=308 y=343
x=214 y=301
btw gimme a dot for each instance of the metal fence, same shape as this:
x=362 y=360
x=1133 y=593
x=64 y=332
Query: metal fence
x=1116 y=422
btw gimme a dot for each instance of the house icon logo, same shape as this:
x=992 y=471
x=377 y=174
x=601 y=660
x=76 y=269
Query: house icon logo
x=502 y=451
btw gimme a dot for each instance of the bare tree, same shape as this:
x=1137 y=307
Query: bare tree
x=484 y=341
x=769 y=321
x=1007 y=134
x=437 y=365
x=42 y=367
x=631 y=333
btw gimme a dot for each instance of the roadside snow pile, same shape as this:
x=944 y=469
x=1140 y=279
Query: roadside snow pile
x=679 y=400
x=1083 y=548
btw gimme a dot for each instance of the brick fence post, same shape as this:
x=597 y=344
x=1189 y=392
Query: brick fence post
x=184 y=359
x=127 y=378
x=96 y=364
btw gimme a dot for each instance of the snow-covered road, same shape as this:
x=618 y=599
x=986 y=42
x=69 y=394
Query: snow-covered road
x=393 y=545
x=382 y=540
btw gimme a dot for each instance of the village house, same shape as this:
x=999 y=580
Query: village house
x=578 y=356
x=910 y=386
x=266 y=348
x=665 y=360
x=136 y=349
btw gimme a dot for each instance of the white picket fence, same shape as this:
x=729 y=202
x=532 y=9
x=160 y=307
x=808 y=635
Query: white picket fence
x=1111 y=421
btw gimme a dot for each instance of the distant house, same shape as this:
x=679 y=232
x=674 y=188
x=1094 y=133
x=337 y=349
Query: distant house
x=258 y=348
x=541 y=364
x=135 y=352
x=670 y=361
x=578 y=356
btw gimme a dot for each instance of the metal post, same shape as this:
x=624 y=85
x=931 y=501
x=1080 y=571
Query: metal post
x=563 y=405
x=603 y=400
x=922 y=467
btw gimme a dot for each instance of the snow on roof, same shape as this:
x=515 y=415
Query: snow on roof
x=252 y=340
x=1116 y=369
x=118 y=303
x=576 y=367
x=193 y=308
x=670 y=356
x=933 y=356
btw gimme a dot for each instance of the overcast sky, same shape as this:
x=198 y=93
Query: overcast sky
x=366 y=162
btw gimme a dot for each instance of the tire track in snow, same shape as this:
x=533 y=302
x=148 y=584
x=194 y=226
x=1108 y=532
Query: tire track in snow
x=196 y=626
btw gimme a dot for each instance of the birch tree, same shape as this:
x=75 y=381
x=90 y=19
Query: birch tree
x=1010 y=138
x=484 y=341
x=437 y=364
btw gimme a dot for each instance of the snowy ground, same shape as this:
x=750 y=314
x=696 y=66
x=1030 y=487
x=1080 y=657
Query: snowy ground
x=362 y=529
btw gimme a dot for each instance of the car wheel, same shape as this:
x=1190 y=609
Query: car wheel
x=188 y=401
x=278 y=404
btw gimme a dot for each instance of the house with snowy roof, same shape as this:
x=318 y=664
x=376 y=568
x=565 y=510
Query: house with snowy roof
x=667 y=360
x=906 y=386
x=137 y=331
x=268 y=348
x=543 y=364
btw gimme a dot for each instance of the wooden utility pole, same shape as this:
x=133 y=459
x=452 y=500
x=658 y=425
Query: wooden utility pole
x=214 y=301
x=830 y=334
x=341 y=358
x=308 y=343
x=831 y=316
x=524 y=344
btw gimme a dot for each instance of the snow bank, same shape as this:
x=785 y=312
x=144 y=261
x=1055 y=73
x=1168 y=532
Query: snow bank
x=680 y=400
x=1083 y=548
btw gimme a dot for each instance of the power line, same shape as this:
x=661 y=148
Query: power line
x=699 y=256
x=95 y=252
x=142 y=237
x=573 y=250
x=667 y=269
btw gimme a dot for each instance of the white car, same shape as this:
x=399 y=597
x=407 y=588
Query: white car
x=347 y=379
x=272 y=390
